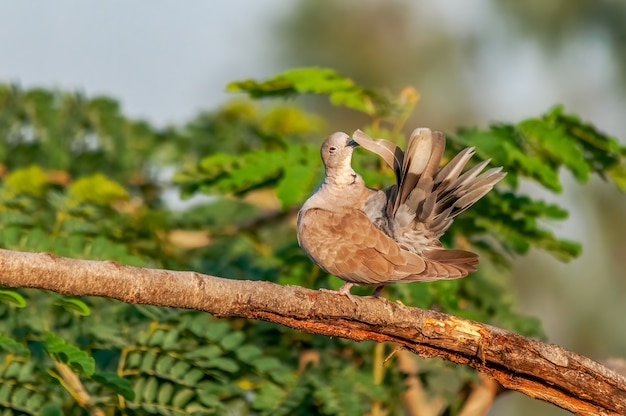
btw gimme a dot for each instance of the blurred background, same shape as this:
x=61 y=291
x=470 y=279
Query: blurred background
x=473 y=63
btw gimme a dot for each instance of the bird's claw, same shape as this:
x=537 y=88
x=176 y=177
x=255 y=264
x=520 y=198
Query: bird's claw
x=343 y=290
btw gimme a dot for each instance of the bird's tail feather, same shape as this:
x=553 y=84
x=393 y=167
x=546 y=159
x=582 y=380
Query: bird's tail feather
x=436 y=195
x=425 y=189
x=446 y=264
x=421 y=162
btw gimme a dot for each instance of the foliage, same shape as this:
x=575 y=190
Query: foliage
x=341 y=91
x=79 y=180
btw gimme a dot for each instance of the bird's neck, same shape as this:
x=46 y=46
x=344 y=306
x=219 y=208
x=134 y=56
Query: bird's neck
x=339 y=191
x=345 y=188
x=342 y=177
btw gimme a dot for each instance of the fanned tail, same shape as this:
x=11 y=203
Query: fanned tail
x=439 y=195
x=421 y=161
x=423 y=203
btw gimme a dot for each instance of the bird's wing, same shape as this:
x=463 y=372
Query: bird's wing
x=349 y=246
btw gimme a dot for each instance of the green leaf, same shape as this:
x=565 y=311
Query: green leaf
x=182 y=397
x=10 y=345
x=97 y=189
x=30 y=181
x=74 y=305
x=196 y=409
x=267 y=396
x=179 y=370
x=68 y=354
x=248 y=353
x=27 y=373
x=225 y=364
x=35 y=402
x=166 y=391
x=564 y=250
x=118 y=384
x=5 y=392
x=164 y=364
x=133 y=360
x=20 y=396
x=209 y=351
x=156 y=338
x=150 y=390
x=139 y=387
x=198 y=324
x=207 y=390
x=12 y=298
x=51 y=409
x=266 y=364
x=211 y=401
x=553 y=144
x=170 y=339
x=12 y=369
x=284 y=121
x=617 y=173
x=148 y=360
x=193 y=376
x=232 y=340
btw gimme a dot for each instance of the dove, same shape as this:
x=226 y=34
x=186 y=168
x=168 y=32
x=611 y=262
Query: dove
x=374 y=237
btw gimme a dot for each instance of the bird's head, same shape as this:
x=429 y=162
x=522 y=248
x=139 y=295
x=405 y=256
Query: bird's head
x=337 y=151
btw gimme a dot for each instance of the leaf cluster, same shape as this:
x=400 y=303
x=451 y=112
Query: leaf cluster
x=72 y=134
x=79 y=179
x=169 y=362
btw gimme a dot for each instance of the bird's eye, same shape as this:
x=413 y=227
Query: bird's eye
x=332 y=149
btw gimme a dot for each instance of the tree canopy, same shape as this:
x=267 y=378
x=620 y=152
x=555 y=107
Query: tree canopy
x=81 y=180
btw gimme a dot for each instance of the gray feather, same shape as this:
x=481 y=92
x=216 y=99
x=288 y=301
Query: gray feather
x=390 y=152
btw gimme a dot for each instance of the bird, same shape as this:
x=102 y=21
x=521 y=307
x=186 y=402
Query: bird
x=376 y=237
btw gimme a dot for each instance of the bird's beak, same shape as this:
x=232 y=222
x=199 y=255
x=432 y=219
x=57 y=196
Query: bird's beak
x=351 y=143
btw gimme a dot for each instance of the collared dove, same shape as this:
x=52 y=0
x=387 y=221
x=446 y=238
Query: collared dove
x=376 y=237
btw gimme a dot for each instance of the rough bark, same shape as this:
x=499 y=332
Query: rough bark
x=544 y=371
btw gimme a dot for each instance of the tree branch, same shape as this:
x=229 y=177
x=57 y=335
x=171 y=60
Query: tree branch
x=539 y=370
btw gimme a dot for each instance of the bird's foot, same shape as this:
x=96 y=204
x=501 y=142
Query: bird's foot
x=343 y=290
x=376 y=292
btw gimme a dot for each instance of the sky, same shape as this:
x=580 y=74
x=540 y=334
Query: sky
x=163 y=62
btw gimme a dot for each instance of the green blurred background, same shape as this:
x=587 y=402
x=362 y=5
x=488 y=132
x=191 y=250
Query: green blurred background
x=472 y=63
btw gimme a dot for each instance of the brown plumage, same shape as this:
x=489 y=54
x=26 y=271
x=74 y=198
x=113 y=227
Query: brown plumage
x=376 y=237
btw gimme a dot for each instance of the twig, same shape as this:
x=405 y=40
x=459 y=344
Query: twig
x=481 y=397
x=414 y=397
